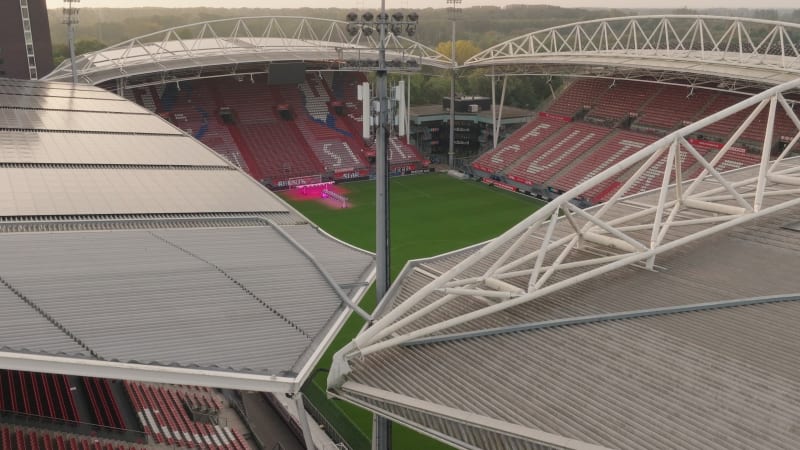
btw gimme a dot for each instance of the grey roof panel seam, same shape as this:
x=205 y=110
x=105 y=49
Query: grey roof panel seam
x=32 y=108
x=48 y=317
x=119 y=133
x=269 y=307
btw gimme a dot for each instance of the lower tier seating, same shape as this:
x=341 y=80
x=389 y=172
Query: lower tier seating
x=23 y=439
x=37 y=394
x=163 y=414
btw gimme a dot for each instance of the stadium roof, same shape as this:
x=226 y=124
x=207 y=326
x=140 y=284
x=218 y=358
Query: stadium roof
x=726 y=53
x=242 y=46
x=130 y=250
x=661 y=320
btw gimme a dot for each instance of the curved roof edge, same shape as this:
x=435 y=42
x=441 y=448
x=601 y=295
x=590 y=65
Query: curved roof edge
x=725 y=48
x=247 y=40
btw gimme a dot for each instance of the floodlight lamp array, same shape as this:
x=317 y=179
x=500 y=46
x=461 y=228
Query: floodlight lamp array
x=368 y=23
x=71 y=11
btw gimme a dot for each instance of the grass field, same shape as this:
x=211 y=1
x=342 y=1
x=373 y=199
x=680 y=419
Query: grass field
x=430 y=214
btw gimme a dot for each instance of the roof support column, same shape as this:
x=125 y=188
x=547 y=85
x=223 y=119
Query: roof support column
x=494 y=112
x=303 y=418
x=765 y=153
x=497 y=119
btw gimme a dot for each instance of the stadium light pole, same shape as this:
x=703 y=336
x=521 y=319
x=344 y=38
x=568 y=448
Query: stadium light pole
x=396 y=24
x=71 y=19
x=453 y=8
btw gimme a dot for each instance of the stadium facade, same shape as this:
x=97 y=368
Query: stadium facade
x=26 y=51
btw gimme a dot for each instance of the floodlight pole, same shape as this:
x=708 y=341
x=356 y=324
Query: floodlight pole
x=71 y=19
x=381 y=426
x=453 y=9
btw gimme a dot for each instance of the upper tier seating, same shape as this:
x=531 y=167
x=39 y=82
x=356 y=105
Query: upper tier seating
x=581 y=94
x=756 y=131
x=622 y=99
x=673 y=106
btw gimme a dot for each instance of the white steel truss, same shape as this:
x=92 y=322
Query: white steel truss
x=561 y=245
x=244 y=40
x=724 y=47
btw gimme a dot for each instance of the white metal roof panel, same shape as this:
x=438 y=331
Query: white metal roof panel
x=219 y=298
x=34 y=191
x=24 y=329
x=69 y=103
x=124 y=149
x=84 y=121
x=55 y=89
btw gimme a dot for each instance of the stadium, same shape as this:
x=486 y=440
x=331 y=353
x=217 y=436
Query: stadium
x=154 y=279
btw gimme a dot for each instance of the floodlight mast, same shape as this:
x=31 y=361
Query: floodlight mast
x=381 y=426
x=453 y=7
x=71 y=19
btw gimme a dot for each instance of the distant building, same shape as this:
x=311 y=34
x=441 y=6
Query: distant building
x=25 y=48
x=430 y=126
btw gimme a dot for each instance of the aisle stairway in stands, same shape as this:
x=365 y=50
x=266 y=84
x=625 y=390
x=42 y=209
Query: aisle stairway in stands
x=333 y=146
x=570 y=142
x=516 y=146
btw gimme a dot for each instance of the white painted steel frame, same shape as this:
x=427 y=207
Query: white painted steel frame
x=353 y=392
x=717 y=201
x=726 y=46
x=239 y=41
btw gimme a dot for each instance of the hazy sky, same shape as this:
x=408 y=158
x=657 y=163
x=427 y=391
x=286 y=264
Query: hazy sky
x=391 y=4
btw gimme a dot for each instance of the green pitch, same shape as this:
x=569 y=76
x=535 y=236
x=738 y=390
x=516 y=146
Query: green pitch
x=430 y=214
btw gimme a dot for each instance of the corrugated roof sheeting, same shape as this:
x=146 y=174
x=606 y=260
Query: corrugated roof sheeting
x=79 y=148
x=76 y=121
x=720 y=379
x=26 y=330
x=211 y=298
x=271 y=268
x=344 y=263
x=685 y=277
x=32 y=191
x=466 y=435
x=76 y=103
x=51 y=89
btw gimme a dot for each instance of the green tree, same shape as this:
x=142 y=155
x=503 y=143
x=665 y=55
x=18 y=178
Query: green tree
x=769 y=14
x=61 y=51
x=465 y=49
x=427 y=90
